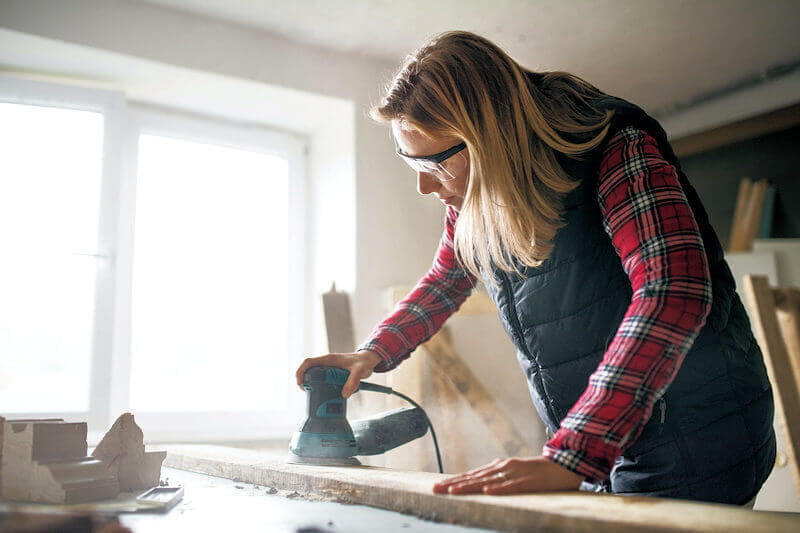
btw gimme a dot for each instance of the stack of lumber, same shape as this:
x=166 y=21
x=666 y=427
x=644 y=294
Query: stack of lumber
x=752 y=217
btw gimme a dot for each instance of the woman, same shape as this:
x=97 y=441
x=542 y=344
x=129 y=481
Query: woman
x=572 y=208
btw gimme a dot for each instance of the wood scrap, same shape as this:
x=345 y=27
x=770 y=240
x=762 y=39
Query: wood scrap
x=46 y=461
x=122 y=448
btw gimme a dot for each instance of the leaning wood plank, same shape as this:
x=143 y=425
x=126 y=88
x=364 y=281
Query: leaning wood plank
x=463 y=383
x=737 y=228
x=754 y=210
x=410 y=493
x=338 y=321
x=787 y=302
x=761 y=300
x=451 y=415
x=446 y=361
x=749 y=128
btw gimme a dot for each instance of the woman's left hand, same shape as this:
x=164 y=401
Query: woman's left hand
x=509 y=476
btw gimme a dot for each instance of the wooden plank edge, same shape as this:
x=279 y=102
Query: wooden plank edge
x=742 y=130
x=397 y=491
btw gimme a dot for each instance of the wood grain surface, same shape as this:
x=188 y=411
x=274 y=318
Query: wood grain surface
x=410 y=493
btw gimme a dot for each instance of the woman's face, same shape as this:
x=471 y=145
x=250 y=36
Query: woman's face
x=450 y=182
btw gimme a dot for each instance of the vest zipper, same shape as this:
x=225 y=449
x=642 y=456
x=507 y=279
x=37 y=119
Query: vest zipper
x=517 y=328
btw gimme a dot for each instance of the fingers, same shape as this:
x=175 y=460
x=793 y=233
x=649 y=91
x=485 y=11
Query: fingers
x=359 y=364
x=351 y=385
x=361 y=369
x=477 y=484
x=510 y=476
x=468 y=480
x=512 y=486
x=305 y=365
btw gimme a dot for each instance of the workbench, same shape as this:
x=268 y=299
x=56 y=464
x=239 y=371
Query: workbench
x=411 y=493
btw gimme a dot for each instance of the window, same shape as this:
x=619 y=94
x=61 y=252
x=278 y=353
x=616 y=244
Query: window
x=210 y=278
x=50 y=176
x=215 y=270
x=152 y=262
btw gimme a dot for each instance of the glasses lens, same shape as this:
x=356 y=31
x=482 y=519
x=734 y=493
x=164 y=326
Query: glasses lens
x=421 y=165
x=453 y=166
x=445 y=171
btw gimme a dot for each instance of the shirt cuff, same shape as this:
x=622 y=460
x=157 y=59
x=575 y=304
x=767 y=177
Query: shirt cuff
x=388 y=360
x=586 y=455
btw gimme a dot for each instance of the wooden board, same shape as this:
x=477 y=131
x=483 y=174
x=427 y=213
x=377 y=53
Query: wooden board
x=410 y=493
x=338 y=321
x=761 y=301
x=741 y=130
x=447 y=363
x=787 y=306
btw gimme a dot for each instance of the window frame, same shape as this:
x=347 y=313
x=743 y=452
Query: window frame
x=210 y=426
x=111 y=106
x=123 y=121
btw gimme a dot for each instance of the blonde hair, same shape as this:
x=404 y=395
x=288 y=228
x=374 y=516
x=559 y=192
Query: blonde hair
x=513 y=121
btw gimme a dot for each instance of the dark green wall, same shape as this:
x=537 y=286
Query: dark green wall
x=716 y=174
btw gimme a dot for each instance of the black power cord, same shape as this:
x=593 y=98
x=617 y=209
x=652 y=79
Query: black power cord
x=365 y=385
x=428 y=420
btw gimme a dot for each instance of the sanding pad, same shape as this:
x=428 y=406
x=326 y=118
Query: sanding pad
x=322 y=461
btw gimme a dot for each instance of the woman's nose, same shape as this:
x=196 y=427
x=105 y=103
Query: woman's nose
x=427 y=183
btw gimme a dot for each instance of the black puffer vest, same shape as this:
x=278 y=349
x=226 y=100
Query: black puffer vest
x=710 y=436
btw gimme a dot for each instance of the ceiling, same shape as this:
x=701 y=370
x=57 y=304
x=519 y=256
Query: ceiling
x=663 y=54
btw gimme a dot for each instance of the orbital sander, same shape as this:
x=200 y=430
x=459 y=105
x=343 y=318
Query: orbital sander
x=327 y=438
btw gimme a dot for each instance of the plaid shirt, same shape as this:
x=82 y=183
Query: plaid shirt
x=657 y=239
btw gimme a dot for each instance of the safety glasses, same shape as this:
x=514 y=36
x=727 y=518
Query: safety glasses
x=440 y=165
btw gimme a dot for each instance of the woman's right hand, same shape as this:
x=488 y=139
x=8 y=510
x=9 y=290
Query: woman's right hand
x=360 y=364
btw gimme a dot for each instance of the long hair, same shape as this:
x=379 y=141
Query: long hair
x=514 y=122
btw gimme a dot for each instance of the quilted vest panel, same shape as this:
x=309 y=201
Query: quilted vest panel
x=563 y=314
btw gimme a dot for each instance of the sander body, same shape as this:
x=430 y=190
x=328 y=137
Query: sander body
x=326 y=437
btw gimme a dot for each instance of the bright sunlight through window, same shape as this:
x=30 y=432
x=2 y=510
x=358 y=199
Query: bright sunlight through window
x=210 y=278
x=50 y=170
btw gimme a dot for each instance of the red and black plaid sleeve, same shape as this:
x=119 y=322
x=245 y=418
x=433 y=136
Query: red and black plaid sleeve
x=655 y=234
x=419 y=315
